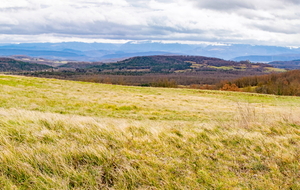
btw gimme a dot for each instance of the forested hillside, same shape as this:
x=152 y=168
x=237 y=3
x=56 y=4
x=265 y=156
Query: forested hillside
x=11 y=65
x=165 y=71
x=178 y=63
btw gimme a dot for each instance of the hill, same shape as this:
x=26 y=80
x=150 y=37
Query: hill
x=80 y=65
x=164 y=71
x=173 y=63
x=295 y=64
x=73 y=135
x=11 y=65
x=39 y=60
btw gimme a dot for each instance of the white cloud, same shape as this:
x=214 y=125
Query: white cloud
x=255 y=21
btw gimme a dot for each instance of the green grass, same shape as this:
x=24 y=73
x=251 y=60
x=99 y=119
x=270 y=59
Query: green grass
x=58 y=134
x=222 y=67
x=272 y=69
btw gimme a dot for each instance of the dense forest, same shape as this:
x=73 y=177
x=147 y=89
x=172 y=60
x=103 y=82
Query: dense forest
x=287 y=83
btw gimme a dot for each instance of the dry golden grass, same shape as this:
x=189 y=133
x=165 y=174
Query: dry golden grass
x=71 y=135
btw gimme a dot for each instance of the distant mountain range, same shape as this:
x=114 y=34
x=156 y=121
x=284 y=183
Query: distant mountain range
x=295 y=64
x=107 y=52
x=269 y=58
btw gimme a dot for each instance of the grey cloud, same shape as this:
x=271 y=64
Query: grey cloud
x=104 y=29
x=255 y=14
x=285 y=14
x=274 y=28
x=100 y=28
x=137 y=20
x=12 y=9
x=147 y=1
x=293 y=1
x=223 y=5
x=138 y=3
x=230 y=5
x=21 y=8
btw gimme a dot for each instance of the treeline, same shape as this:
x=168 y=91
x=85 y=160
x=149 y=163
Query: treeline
x=194 y=79
x=287 y=83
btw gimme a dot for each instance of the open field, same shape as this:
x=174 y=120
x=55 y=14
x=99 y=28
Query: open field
x=57 y=134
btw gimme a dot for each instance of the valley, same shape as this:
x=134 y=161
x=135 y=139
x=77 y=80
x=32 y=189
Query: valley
x=163 y=70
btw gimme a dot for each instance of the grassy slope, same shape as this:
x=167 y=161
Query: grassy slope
x=64 y=135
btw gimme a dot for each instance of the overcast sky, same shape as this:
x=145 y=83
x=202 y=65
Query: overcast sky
x=268 y=22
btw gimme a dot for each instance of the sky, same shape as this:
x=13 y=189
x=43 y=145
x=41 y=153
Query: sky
x=257 y=22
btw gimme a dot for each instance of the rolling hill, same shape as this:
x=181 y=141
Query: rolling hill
x=165 y=69
x=158 y=71
x=173 y=63
x=11 y=65
x=58 y=134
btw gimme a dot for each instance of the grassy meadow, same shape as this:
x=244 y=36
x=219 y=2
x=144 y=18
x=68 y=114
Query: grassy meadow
x=57 y=134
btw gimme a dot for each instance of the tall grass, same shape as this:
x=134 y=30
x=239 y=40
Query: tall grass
x=145 y=138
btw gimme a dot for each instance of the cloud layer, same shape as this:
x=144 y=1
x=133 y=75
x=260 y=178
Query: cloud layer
x=273 y=22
